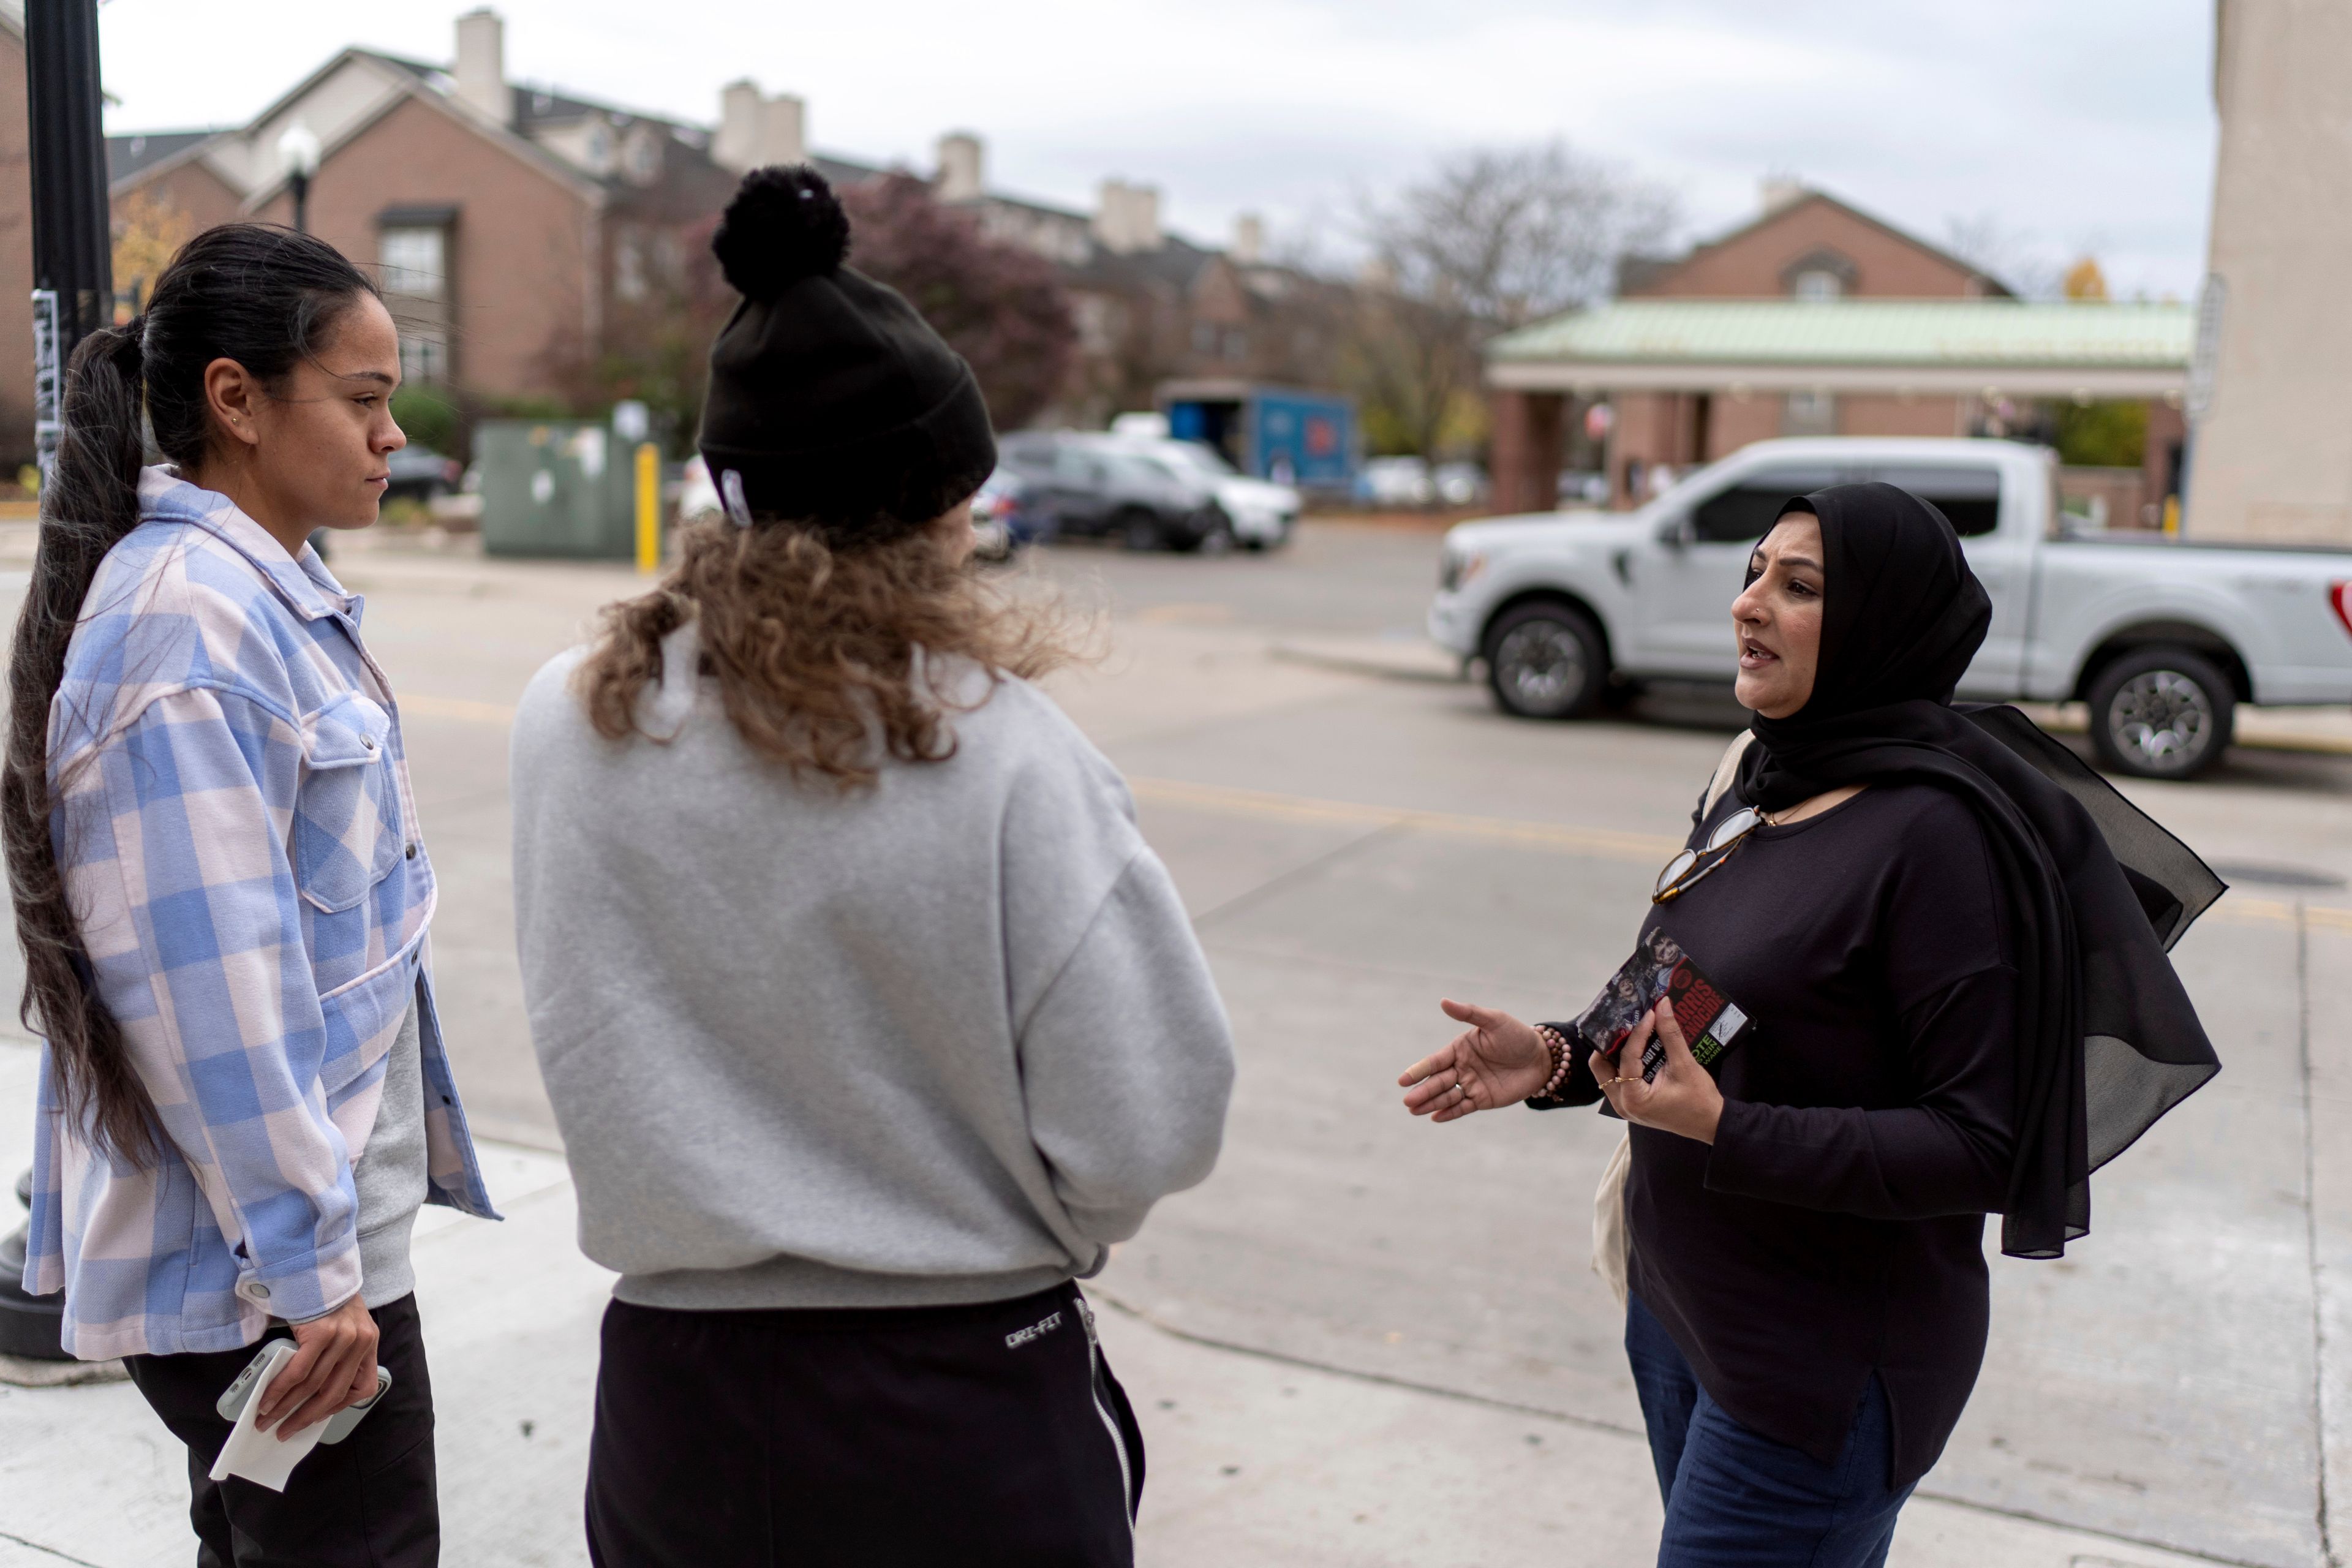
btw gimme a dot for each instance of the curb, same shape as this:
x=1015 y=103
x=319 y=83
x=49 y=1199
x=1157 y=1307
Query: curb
x=24 y=1371
x=1427 y=663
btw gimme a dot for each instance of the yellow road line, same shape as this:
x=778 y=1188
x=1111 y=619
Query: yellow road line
x=1266 y=806
x=1269 y=807
x=2235 y=910
x=1261 y=804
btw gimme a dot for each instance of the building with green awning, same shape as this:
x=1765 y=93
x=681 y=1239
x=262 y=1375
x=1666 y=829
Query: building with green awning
x=1682 y=381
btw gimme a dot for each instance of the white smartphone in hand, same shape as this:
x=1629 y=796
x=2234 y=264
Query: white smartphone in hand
x=232 y=1402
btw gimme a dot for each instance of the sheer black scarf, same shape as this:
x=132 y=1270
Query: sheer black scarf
x=2107 y=1040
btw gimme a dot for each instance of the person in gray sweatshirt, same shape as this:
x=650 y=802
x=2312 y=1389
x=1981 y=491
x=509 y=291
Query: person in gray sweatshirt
x=870 y=1021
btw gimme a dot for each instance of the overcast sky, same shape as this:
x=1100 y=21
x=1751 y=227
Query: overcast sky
x=2080 y=127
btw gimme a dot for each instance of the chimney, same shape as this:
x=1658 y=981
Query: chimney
x=784 y=130
x=481 y=72
x=1147 y=219
x=737 y=146
x=1779 y=191
x=1127 y=217
x=962 y=160
x=1249 y=240
x=755 y=131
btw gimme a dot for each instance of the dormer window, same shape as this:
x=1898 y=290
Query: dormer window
x=1820 y=274
x=1817 y=283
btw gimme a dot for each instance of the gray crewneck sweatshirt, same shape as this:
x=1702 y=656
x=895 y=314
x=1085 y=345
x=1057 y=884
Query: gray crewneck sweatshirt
x=944 y=1040
x=390 y=1174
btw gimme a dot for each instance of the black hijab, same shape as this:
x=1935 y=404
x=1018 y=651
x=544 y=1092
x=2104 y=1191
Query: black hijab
x=2096 y=891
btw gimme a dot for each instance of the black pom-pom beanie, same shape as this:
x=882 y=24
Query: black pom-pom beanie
x=832 y=401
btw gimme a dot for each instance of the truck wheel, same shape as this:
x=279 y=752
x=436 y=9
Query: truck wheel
x=1138 y=529
x=1545 y=661
x=2161 y=713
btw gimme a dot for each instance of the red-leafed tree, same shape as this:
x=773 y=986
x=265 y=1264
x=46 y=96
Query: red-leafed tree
x=1001 y=306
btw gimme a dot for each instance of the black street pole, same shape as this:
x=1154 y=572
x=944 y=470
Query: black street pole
x=73 y=274
x=73 y=295
x=300 y=180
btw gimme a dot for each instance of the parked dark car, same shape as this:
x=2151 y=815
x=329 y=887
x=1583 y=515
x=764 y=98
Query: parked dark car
x=420 y=473
x=1090 y=489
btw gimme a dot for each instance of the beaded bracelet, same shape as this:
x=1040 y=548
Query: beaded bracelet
x=1561 y=1059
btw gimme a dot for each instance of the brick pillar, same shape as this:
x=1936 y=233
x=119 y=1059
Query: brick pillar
x=2160 y=461
x=1643 y=438
x=1529 y=442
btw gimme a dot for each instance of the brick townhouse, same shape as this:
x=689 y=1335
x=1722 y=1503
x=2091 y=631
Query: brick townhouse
x=509 y=226
x=517 y=231
x=1151 y=306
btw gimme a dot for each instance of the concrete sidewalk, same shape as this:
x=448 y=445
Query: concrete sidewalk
x=1252 y=1459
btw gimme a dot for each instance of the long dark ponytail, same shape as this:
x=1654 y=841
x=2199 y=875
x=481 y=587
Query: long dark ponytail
x=265 y=298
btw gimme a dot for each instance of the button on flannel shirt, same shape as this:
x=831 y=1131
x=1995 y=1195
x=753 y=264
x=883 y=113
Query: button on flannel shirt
x=234 y=817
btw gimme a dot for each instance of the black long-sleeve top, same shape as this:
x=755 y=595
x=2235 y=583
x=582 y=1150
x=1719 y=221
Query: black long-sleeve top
x=1834 y=1228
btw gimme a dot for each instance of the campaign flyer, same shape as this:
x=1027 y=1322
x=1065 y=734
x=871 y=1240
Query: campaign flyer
x=1709 y=1020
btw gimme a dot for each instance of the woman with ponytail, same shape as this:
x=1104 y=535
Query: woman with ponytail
x=222 y=897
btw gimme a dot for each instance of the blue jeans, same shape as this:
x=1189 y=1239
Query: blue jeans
x=1735 y=1498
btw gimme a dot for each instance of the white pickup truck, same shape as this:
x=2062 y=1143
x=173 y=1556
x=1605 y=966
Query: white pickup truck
x=2161 y=637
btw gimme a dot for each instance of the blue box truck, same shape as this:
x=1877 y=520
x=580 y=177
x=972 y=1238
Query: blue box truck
x=1283 y=434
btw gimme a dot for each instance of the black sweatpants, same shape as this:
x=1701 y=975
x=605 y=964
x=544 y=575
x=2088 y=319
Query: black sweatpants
x=369 y=1501
x=897 y=1437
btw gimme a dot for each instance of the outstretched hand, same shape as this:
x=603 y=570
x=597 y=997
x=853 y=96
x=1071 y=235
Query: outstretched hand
x=1681 y=1099
x=1496 y=1061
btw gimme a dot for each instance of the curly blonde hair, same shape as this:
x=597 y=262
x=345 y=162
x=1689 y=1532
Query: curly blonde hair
x=813 y=644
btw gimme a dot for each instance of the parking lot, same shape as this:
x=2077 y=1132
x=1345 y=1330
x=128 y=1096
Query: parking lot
x=1370 y=1340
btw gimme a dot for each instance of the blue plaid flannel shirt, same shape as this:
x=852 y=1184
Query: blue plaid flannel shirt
x=234 y=815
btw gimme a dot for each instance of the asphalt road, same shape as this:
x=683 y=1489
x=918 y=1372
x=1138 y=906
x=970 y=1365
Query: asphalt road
x=1353 y=847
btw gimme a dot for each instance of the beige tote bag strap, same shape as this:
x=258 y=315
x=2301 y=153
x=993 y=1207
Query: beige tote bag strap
x=1610 y=1242
x=1726 y=769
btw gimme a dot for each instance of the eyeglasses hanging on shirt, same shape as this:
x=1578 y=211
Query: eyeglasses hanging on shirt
x=1692 y=867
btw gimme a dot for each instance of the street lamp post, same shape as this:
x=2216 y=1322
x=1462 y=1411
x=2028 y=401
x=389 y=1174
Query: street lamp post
x=73 y=275
x=73 y=295
x=298 y=150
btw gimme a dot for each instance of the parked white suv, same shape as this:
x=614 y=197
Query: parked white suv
x=2161 y=637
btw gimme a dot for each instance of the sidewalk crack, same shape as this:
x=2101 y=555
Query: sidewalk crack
x=1306 y=871
x=2319 y=1350
x=46 y=1550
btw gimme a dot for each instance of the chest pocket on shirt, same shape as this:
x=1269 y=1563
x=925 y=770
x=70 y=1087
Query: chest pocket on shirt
x=347 y=815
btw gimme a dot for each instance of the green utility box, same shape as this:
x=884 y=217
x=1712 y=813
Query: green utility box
x=555 y=487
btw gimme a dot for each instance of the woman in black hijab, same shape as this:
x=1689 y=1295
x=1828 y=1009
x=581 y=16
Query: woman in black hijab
x=1947 y=939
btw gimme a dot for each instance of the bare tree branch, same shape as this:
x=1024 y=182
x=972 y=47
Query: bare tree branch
x=1491 y=240
x=1507 y=237
x=2013 y=258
